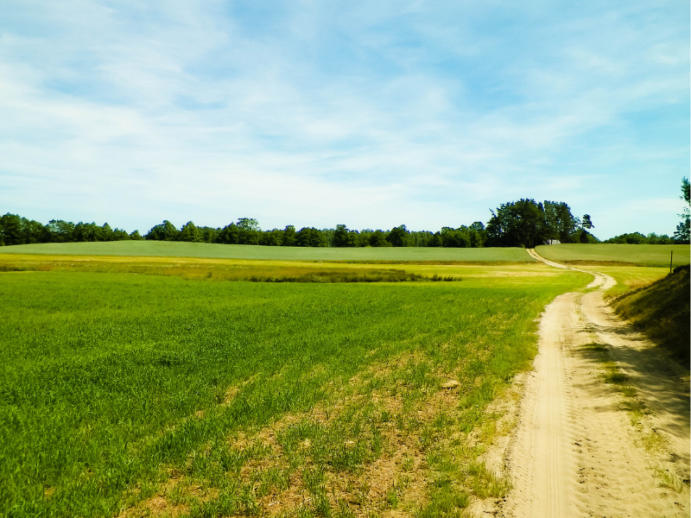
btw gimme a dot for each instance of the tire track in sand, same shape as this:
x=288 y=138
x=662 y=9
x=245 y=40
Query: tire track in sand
x=575 y=451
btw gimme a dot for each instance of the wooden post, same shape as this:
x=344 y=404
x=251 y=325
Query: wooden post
x=671 y=255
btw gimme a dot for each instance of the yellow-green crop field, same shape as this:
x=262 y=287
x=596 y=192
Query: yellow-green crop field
x=149 y=386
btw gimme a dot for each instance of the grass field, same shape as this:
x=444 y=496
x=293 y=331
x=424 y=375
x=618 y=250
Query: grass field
x=134 y=395
x=179 y=249
x=602 y=254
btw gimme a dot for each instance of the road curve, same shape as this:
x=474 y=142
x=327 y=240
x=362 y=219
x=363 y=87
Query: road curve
x=576 y=451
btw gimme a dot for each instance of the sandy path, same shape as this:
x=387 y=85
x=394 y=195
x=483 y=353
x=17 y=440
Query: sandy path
x=576 y=451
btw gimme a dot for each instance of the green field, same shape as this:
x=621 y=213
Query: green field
x=180 y=249
x=595 y=254
x=160 y=395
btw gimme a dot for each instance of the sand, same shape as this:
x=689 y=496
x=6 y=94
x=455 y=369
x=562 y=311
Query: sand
x=576 y=450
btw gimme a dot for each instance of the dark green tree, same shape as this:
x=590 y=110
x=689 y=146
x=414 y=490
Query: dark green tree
x=435 y=241
x=120 y=235
x=229 y=235
x=559 y=222
x=455 y=237
x=527 y=223
x=398 y=236
x=683 y=231
x=344 y=237
x=248 y=231
x=61 y=231
x=378 y=239
x=209 y=234
x=165 y=231
x=248 y=224
x=271 y=237
x=190 y=232
x=520 y=223
x=11 y=229
x=311 y=237
x=289 y=236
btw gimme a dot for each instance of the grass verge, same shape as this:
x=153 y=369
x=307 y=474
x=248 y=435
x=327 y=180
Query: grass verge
x=661 y=311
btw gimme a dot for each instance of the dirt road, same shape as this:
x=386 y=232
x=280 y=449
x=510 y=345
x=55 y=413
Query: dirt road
x=584 y=448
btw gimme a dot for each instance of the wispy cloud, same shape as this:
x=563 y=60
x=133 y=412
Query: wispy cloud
x=368 y=114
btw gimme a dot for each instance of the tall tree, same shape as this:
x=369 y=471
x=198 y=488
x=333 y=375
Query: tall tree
x=229 y=235
x=378 y=239
x=586 y=222
x=344 y=237
x=310 y=236
x=61 y=231
x=519 y=223
x=165 y=231
x=289 y=238
x=398 y=236
x=190 y=232
x=248 y=224
x=683 y=232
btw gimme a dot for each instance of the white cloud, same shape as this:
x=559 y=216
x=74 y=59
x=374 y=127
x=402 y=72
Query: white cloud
x=370 y=115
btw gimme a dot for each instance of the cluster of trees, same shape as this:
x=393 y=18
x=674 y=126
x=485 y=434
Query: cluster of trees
x=636 y=238
x=520 y=223
x=683 y=232
x=247 y=232
x=527 y=223
x=511 y=225
x=16 y=230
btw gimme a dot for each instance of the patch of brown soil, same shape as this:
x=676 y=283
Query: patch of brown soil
x=160 y=504
x=400 y=473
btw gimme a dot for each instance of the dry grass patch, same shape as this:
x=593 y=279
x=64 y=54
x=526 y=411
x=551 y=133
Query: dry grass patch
x=385 y=451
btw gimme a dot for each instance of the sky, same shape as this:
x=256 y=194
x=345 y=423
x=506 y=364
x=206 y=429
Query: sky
x=370 y=114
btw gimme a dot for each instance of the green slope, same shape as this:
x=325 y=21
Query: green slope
x=662 y=311
x=649 y=255
x=181 y=249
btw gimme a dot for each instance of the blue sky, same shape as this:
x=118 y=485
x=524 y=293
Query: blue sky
x=371 y=114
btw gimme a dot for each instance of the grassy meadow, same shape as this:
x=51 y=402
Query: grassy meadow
x=604 y=254
x=278 y=253
x=129 y=394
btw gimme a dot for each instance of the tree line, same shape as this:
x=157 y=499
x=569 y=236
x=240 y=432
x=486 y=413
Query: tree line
x=246 y=231
x=524 y=223
x=17 y=230
x=636 y=238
